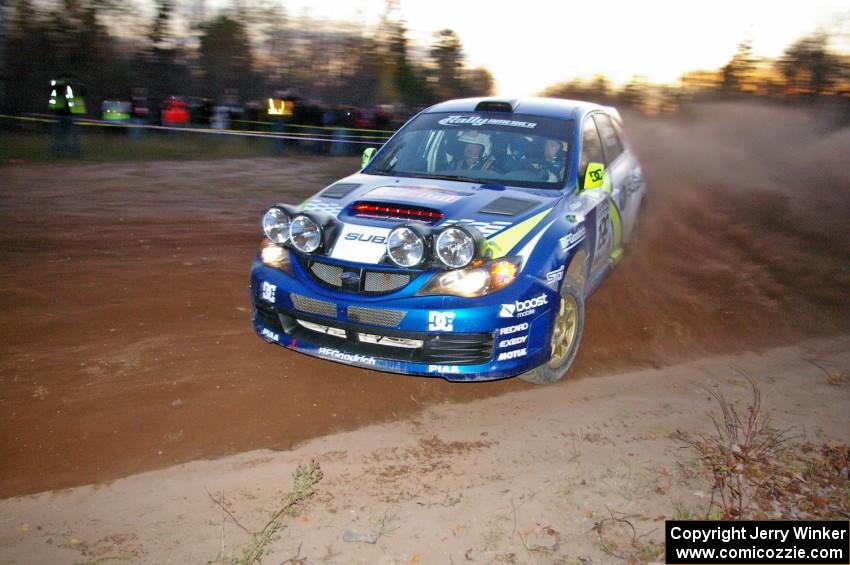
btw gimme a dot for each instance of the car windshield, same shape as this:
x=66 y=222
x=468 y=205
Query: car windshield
x=482 y=147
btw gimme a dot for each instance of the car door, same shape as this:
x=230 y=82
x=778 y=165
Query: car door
x=632 y=183
x=601 y=224
x=617 y=169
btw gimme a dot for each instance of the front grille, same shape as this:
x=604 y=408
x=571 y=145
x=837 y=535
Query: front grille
x=376 y=316
x=390 y=343
x=313 y=306
x=328 y=274
x=356 y=279
x=384 y=281
x=458 y=349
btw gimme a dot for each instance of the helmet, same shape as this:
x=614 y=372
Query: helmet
x=478 y=138
x=519 y=145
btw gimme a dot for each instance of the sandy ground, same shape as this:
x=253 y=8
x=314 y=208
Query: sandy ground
x=126 y=346
x=521 y=478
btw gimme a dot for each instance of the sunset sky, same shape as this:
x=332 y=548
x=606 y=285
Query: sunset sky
x=531 y=44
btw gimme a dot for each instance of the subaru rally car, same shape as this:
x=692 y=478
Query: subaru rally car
x=465 y=248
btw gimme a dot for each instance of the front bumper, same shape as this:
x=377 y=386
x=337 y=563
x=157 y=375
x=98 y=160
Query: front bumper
x=460 y=339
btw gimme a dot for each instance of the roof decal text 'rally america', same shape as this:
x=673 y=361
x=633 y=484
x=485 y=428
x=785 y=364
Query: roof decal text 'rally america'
x=479 y=121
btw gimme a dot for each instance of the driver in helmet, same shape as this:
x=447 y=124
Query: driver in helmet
x=514 y=157
x=554 y=160
x=476 y=152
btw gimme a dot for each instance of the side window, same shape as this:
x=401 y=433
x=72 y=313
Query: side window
x=591 y=149
x=612 y=145
x=619 y=129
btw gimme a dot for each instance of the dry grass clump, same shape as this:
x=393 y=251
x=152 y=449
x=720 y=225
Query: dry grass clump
x=756 y=473
x=304 y=481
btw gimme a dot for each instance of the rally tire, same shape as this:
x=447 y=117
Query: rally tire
x=562 y=354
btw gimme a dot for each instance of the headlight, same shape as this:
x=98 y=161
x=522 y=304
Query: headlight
x=474 y=281
x=305 y=235
x=405 y=246
x=276 y=225
x=274 y=255
x=455 y=247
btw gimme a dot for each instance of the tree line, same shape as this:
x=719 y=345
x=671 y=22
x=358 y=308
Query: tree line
x=253 y=50
x=248 y=51
x=809 y=68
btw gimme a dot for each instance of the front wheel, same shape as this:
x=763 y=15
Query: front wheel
x=566 y=335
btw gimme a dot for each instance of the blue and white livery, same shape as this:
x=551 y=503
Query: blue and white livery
x=465 y=248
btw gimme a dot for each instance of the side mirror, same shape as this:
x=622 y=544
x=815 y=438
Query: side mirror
x=367 y=156
x=594 y=175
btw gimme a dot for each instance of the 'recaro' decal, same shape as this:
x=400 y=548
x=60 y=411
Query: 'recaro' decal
x=513 y=329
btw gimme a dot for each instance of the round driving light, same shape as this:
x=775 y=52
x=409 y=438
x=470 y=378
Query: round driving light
x=276 y=225
x=405 y=247
x=305 y=234
x=455 y=247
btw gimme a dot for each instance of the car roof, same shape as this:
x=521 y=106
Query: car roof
x=549 y=107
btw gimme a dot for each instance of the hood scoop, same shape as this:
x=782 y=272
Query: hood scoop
x=339 y=190
x=506 y=206
x=384 y=210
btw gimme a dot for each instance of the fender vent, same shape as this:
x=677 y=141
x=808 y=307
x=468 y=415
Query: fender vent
x=505 y=206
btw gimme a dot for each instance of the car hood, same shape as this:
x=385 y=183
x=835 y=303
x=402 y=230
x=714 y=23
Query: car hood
x=360 y=201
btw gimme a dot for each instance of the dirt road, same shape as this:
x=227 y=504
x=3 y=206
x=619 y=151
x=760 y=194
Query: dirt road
x=125 y=337
x=557 y=475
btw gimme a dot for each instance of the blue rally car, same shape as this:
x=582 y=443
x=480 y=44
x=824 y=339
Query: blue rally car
x=465 y=248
